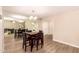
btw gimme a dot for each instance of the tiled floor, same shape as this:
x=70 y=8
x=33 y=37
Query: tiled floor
x=15 y=46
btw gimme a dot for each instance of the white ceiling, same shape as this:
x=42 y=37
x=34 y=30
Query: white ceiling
x=40 y=11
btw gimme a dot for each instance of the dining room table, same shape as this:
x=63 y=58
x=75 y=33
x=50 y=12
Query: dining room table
x=33 y=37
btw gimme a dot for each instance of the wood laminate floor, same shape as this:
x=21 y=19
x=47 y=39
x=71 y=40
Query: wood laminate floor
x=15 y=46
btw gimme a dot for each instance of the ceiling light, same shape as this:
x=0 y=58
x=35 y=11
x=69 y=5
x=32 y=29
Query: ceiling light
x=19 y=17
x=35 y=18
x=31 y=17
x=8 y=18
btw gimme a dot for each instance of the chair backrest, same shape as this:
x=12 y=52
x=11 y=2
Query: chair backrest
x=25 y=36
x=40 y=34
x=29 y=31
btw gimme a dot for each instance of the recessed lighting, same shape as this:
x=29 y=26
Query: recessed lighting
x=19 y=17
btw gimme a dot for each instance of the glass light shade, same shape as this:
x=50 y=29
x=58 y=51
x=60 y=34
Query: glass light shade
x=31 y=17
x=35 y=18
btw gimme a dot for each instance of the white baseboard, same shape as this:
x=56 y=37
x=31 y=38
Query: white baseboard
x=66 y=43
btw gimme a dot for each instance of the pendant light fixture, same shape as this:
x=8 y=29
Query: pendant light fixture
x=33 y=17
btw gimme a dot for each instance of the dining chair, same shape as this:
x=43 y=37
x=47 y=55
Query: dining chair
x=26 y=41
x=36 y=40
x=19 y=33
x=32 y=40
x=40 y=39
x=15 y=33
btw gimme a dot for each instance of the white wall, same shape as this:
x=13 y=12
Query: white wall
x=48 y=25
x=1 y=32
x=66 y=28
